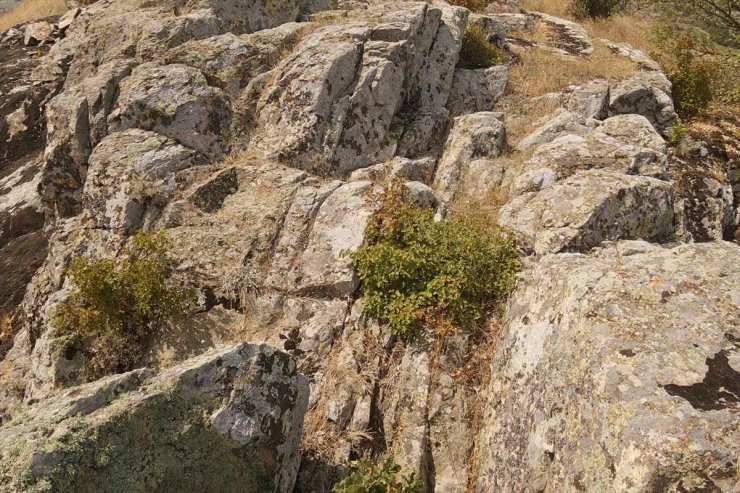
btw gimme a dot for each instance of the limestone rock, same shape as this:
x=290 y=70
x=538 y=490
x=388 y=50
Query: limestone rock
x=132 y=176
x=474 y=136
x=176 y=101
x=229 y=420
x=618 y=371
x=338 y=229
x=591 y=207
x=572 y=37
x=645 y=94
x=561 y=122
x=476 y=90
x=35 y=33
x=637 y=56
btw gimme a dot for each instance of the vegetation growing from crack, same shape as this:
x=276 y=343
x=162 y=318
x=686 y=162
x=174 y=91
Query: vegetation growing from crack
x=478 y=52
x=420 y=274
x=367 y=477
x=117 y=303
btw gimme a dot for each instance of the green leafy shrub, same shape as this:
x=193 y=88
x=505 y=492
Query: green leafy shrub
x=366 y=477
x=677 y=133
x=478 y=52
x=582 y=9
x=117 y=303
x=417 y=273
x=691 y=72
x=472 y=5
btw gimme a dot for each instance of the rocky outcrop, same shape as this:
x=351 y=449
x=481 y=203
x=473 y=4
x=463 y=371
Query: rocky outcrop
x=228 y=420
x=630 y=360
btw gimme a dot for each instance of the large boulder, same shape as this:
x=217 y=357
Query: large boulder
x=346 y=95
x=229 y=420
x=590 y=207
x=473 y=137
x=475 y=90
x=177 y=101
x=646 y=94
x=618 y=371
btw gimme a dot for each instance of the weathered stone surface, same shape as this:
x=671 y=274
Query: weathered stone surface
x=645 y=94
x=637 y=56
x=76 y=122
x=591 y=207
x=338 y=229
x=229 y=420
x=476 y=90
x=590 y=100
x=474 y=136
x=572 y=37
x=626 y=143
x=550 y=127
x=35 y=33
x=132 y=176
x=230 y=62
x=629 y=358
x=333 y=103
x=176 y=101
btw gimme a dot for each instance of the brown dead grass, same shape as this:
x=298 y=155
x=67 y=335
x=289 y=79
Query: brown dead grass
x=621 y=28
x=541 y=71
x=557 y=8
x=6 y=326
x=31 y=10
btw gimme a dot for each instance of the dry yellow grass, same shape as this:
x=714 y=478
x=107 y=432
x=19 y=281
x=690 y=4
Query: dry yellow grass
x=621 y=28
x=31 y=10
x=541 y=71
x=553 y=7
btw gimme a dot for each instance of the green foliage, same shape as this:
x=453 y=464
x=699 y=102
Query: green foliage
x=582 y=9
x=685 y=58
x=677 y=133
x=417 y=273
x=366 y=477
x=478 y=52
x=117 y=303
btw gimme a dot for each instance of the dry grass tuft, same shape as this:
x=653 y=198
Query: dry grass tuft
x=6 y=326
x=559 y=8
x=621 y=28
x=541 y=71
x=31 y=10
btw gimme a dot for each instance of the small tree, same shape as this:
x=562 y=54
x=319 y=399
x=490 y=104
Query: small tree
x=117 y=303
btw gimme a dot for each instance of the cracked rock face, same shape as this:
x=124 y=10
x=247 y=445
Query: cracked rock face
x=630 y=358
x=228 y=420
x=256 y=136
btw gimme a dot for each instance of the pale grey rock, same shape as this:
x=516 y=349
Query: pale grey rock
x=337 y=103
x=225 y=408
x=338 y=229
x=477 y=89
x=408 y=169
x=67 y=18
x=625 y=143
x=615 y=374
x=131 y=177
x=233 y=61
x=36 y=33
x=421 y=194
x=591 y=207
x=645 y=94
x=637 y=56
x=571 y=36
x=589 y=100
x=474 y=136
x=176 y=101
x=557 y=124
x=76 y=121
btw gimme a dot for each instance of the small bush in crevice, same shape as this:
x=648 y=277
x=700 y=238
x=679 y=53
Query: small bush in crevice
x=420 y=274
x=583 y=9
x=367 y=477
x=117 y=303
x=478 y=52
